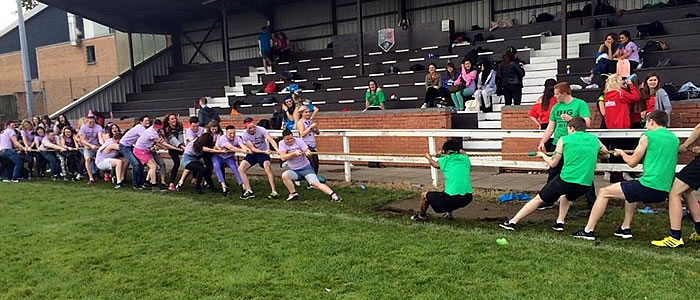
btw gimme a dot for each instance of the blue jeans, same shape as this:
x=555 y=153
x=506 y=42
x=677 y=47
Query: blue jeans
x=136 y=166
x=12 y=156
x=54 y=165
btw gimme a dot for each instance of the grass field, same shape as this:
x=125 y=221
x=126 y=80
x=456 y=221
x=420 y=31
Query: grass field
x=64 y=240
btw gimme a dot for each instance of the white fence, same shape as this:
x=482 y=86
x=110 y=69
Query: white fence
x=493 y=161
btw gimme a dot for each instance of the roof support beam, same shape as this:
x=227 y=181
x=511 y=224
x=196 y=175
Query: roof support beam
x=564 y=29
x=198 y=47
x=360 y=38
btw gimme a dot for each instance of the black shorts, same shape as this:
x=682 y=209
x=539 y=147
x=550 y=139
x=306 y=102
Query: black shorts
x=690 y=175
x=635 y=192
x=266 y=55
x=554 y=189
x=257 y=159
x=441 y=202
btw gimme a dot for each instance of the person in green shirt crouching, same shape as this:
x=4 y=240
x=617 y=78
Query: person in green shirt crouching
x=374 y=97
x=455 y=167
x=658 y=152
x=579 y=151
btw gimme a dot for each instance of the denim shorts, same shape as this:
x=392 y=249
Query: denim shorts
x=305 y=172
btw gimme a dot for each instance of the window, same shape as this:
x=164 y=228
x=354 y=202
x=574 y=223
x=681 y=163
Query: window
x=90 y=51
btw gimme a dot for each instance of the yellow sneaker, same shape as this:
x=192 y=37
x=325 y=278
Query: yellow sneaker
x=668 y=242
x=695 y=237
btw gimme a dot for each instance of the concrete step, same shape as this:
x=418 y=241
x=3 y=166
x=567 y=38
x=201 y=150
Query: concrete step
x=531 y=97
x=583 y=36
x=557 y=45
x=542 y=60
x=490 y=124
x=534 y=89
x=541 y=74
x=550 y=65
x=571 y=53
x=492 y=116
x=482 y=145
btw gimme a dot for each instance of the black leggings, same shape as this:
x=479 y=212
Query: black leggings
x=175 y=156
x=512 y=94
x=73 y=161
x=430 y=94
x=313 y=159
x=200 y=172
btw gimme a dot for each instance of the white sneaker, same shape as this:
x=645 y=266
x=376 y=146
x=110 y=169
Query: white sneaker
x=627 y=176
x=586 y=79
x=424 y=106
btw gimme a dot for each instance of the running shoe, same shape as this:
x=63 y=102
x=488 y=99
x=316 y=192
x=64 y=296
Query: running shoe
x=668 y=242
x=623 y=233
x=225 y=192
x=558 y=226
x=448 y=215
x=419 y=217
x=695 y=237
x=247 y=195
x=507 y=225
x=273 y=195
x=335 y=197
x=583 y=234
x=171 y=187
x=293 y=197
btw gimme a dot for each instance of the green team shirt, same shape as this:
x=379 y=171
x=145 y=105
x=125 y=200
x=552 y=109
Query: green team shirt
x=375 y=99
x=575 y=108
x=580 y=157
x=455 y=168
x=660 y=159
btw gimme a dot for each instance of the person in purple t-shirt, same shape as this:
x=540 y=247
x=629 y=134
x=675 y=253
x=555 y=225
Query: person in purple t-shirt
x=126 y=148
x=91 y=138
x=232 y=143
x=308 y=130
x=630 y=50
x=107 y=159
x=143 y=151
x=256 y=139
x=8 y=143
x=295 y=152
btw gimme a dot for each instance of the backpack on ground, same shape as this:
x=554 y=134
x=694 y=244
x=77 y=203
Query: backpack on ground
x=264 y=123
x=670 y=89
x=544 y=17
x=287 y=75
x=271 y=87
x=651 y=29
x=417 y=67
x=651 y=46
x=604 y=8
x=276 y=120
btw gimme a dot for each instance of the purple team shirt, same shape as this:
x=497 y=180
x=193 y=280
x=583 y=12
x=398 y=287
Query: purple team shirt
x=48 y=139
x=222 y=141
x=309 y=139
x=298 y=162
x=631 y=46
x=6 y=139
x=132 y=135
x=189 y=149
x=91 y=133
x=258 y=139
x=29 y=136
x=147 y=139
x=191 y=134
x=102 y=155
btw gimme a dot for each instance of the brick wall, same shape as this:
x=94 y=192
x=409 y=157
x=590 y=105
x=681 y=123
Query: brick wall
x=409 y=119
x=685 y=114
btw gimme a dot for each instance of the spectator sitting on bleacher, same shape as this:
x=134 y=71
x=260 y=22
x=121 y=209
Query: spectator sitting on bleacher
x=510 y=75
x=374 y=97
x=539 y=113
x=433 y=82
x=206 y=113
x=629 y=51
x=291 y=108
x=654 y=97
x=466 y=83
x=280 y=45
x=602 y=57
x=485 y=85
x=448 y=80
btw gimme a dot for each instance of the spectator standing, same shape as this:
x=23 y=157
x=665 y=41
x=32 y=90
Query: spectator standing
x=466 y=83
x=433 y=82
x=265 y=46
x=374 y=97
x=617 y=106
x=206 y=113
x=539 y=113
x=485 y=86
x=510 y=74
x=654 y=97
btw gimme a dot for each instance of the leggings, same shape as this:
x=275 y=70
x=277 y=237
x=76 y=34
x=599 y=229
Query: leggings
x=175 y=156
x=430 y=94
x=73 y=160
x=315 y=164
x=199 y=172
x=512 y=94
x=458 y=97
x=219 y=163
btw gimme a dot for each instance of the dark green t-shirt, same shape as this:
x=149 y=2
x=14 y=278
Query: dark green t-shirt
x=580 y=157
x=660 y=159
x=455 y=168
x=575 y=108
x=376 y=98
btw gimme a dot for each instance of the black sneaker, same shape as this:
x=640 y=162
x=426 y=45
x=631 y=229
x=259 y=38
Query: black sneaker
x=138 y=188
x=155 y=188
x=178 y=187
x=448 y=215
x=335 y=197
x=147 y=185
x=623 y=233
x=558 y=226
x=419 y=217
x=247 y=195
x=544 y=206
x=118 y=186
x=507 y=225
x=293 y=197
x=582 y=234
x=225 y=192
